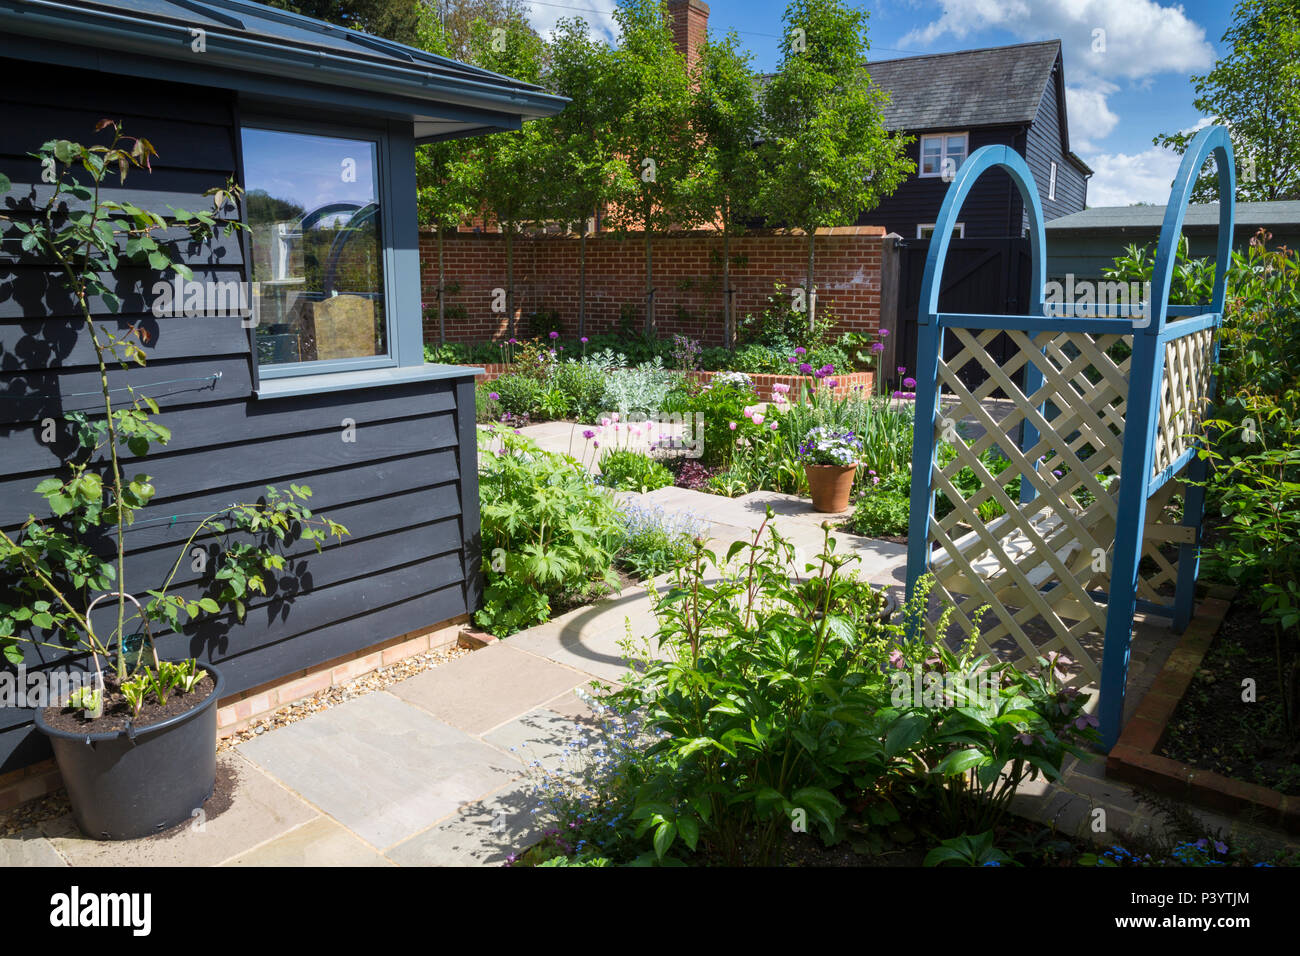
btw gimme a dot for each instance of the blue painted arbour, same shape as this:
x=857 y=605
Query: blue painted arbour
x=1152 y=455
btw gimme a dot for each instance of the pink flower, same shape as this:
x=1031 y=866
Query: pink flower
x=773 y=426
x=896 y=660
x=732 y=426
x=758 y=419
x=780 y=388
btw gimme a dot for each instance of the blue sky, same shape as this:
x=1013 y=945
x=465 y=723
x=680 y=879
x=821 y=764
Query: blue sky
x=1118 y=97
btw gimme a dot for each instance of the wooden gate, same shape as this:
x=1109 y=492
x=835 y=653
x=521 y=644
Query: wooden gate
x=986 y=276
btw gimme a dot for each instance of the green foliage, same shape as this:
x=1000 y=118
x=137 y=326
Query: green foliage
x=965 y=850
x=727 y=428
x=1254 y=90
x=780 y=698
x=627 y=470
x=640 y=389
x=396 y=20
x=655 y=541
x=882 y=512
x=549 y=532
x=651 y=192
x=826 y=153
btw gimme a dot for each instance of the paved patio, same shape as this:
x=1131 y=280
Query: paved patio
x=433 y=770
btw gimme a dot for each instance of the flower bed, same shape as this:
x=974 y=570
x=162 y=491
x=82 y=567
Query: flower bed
x=844 y=384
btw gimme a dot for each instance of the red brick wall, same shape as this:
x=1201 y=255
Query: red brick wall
x=690 y=24
x=688 y=279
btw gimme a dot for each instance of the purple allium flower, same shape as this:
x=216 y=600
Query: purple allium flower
x=902 y=369
x=800 y=350
x=495 y=396
x=832 y=382
x=588 y=434
x=877 y=346
x=584 y=340
x=512 y=342
x=555 y=335
x=883 y=332
x=791 y=359
x=805 y=368
x=909 y=383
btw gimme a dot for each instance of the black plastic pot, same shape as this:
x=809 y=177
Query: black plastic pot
x=134 y=783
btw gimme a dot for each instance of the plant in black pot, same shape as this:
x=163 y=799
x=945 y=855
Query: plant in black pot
x=135 y=740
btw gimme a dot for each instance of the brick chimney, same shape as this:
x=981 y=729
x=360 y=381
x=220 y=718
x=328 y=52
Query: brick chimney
x=690 y=20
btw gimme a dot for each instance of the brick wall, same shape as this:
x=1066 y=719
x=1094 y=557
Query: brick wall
x=688 y=279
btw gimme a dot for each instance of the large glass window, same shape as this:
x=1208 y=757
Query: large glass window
x=313 y=208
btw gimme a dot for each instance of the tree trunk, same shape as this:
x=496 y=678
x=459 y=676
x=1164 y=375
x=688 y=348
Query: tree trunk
x=510 y=280
x=582 y=281
x=810 y=292
x=649 y=288
x=442 y=293
x=728 y=313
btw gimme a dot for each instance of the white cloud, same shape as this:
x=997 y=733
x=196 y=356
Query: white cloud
x=1121 y=179
x=1104 y=42
x=599 y=15
x=1137 y=38
x=1090 y=118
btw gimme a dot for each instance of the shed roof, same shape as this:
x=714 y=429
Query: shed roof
x=1200 y=216
x=280 y=53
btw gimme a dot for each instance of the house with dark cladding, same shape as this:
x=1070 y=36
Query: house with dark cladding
x=954 y=103
x=319 y=377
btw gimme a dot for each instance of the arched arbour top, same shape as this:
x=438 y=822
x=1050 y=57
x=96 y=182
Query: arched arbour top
x=1213 y=140
x=976 y=165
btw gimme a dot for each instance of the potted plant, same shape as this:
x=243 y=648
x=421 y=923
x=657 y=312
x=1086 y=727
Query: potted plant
x=830 y=460
x=135 y=741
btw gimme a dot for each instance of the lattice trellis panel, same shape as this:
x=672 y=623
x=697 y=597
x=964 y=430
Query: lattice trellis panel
x=1037 y=566
x=1183 y=395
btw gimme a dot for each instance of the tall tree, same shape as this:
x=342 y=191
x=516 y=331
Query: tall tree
x=585 y=165
x=396 y=20
x=443 y=188
x=826 y=153
x=1255 y=91
x=457 y=18
x=507 y=170
x=652 y=136
x=725 y=115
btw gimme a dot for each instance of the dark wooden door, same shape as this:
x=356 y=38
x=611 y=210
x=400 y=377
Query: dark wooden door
x=980 y=275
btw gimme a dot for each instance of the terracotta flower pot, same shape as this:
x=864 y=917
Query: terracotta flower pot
x=830 y=486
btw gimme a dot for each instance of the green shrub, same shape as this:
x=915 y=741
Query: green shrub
x=628 y=470
x=640 y=389
x=584 y=384
x=519 y=394
x=548 y=532
x=655 y=541
x=781 y=697
x=486 y=407
x=880 y=513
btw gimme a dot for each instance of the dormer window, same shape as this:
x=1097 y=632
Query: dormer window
x=943 y=153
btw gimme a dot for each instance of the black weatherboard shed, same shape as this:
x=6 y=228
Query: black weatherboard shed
x=210 y=84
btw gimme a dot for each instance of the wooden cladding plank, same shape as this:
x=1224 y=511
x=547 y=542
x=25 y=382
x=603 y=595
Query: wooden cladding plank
x=33 y=396
x=127 y=98
x=211 y=426
x=39 y=292
x=64 y=343
x=277 y=461
x=180 y=142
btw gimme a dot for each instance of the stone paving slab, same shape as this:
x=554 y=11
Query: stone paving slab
x=483 y=833
x=492 y=686
x=260 y=810
x=28 y=847
x=382 y=767
x=322 y=842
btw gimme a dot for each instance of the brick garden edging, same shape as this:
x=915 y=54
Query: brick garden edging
x=237 y=711
x=1134 y=759
x=762 y=382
